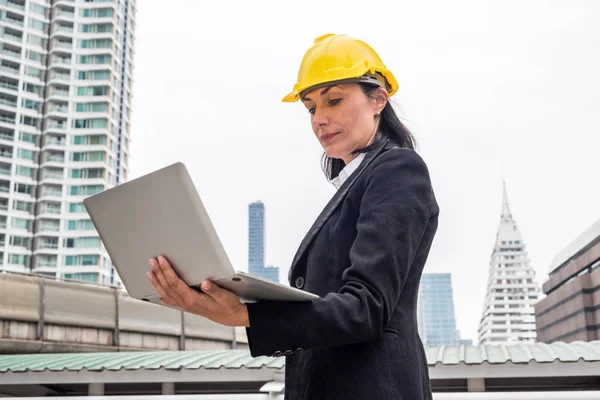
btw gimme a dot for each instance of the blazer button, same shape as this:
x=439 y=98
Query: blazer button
x=277 y=354
x=299 y=282
x=288 y=353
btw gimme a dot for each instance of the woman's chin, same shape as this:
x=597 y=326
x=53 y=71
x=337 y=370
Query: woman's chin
x=333 y=152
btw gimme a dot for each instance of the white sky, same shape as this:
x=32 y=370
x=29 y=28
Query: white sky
x=490 y=89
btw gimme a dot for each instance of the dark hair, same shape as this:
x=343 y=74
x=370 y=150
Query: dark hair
x=390 y=128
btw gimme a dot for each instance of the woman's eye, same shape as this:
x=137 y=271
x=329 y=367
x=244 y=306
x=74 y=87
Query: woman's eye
x=334 y=102
x=311 y=110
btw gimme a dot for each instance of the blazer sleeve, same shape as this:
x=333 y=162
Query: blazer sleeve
x=393 y=216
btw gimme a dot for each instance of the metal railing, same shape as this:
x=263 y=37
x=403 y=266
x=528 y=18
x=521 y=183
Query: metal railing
x=12 y=4
x=8 y=102
x=9 y=86
x=9 y=69
x=7 y=119
x=13 y=21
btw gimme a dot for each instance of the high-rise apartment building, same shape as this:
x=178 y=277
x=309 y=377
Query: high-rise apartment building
x=512 y=290
x=435 y=311
x=65 y=103
x=256 y=243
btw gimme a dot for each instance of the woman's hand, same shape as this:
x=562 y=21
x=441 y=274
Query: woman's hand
x=216 y=304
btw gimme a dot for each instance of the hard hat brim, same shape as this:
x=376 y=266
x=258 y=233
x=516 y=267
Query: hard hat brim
x=291 y=97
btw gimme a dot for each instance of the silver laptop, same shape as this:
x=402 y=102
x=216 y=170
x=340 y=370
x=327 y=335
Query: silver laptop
x=161 y=214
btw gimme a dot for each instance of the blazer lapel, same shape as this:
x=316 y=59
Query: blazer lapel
x=333 y=203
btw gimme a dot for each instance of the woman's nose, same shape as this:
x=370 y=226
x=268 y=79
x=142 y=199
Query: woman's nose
x=320 y=118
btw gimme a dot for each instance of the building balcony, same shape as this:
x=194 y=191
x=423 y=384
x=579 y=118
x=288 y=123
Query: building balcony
x=62 y=31
x=63 y=14
x=12 y=19
x=56 y=76
x=7 y=119
x=49 y=228
x=56 y=125
x=7 y=102
x=56 y=61
x=14 y=5
x=10 y=70
x=11 y=53
x=61 y=45
x=10 y=36
x=9 y=86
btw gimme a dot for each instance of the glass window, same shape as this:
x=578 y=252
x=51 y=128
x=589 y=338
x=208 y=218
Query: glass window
x=22 y=205
x=34 y=55
x=96 y=28
x=26 y=120
x=31 y=88
x=36 y=8
x=36 y=40
x=93 y=75
x=92 y=91
x=90 y=123
x=76 y=208
x=80 y=224
x=27 y=137
x=17 y=259
x=31 y=104
x=35 y=24
x=20 y=223
x=24 y=171
x=95 y=59
x=90 y=277
x=86 y=242
x=91 y=107
x=35 y=72
x=26 y=154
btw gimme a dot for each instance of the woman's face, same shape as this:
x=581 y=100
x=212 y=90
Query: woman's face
x=344 y=118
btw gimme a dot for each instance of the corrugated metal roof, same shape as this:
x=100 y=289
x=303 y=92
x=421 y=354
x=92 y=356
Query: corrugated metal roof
x=170 y=360
x=515 y=353
x=235 y=359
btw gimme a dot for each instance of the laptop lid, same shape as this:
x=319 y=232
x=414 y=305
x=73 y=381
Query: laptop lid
x=159 y=213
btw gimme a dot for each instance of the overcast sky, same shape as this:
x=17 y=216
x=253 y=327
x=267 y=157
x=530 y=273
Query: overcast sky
x=490 y=89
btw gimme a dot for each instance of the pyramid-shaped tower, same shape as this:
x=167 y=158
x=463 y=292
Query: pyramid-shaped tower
x=512 y=290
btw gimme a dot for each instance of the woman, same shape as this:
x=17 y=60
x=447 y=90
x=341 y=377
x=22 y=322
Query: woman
x=363 y=256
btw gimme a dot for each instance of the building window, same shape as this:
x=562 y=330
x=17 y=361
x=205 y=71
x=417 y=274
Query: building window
x=88 y=259
x=76 y=208
x=86 y=242
x=20 y=223
x=86 y=190
x=17 y=259
x=80 y=225
x=89 y=156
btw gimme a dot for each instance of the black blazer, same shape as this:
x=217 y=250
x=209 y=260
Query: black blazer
x=364 y=256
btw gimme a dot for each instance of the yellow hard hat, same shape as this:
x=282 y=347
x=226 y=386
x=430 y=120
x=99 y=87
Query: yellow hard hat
x=340 y=58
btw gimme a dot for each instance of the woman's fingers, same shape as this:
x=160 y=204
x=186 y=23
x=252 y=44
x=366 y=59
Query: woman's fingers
x=216 y=303
x=168 y=291
x=164 y=296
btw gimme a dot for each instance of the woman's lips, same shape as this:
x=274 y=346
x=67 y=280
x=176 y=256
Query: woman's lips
x=328 y=136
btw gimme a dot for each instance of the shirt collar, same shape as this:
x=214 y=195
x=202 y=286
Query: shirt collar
x=339 y=180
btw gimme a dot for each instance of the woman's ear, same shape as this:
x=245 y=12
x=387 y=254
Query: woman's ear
x=380 y=96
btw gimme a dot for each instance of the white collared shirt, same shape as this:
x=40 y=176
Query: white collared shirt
x=339 y=180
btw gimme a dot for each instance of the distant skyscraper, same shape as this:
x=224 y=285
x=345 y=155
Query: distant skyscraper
x=65 y=106
x=256 y=243
x=436 y=318
x=256 y=237
x=508 y=314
